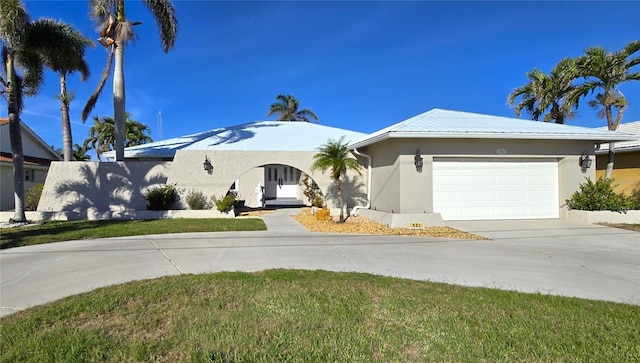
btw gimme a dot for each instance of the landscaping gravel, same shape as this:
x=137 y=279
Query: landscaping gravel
x=362 y=225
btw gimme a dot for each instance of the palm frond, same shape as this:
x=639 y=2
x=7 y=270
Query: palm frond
x=101 y=10
x=164 y=14
x=61 y=46
x=93 y=99
x=13 y=19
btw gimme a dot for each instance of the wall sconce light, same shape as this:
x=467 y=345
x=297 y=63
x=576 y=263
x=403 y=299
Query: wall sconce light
x=207 y=165
x=417 y=160
x=585 y=161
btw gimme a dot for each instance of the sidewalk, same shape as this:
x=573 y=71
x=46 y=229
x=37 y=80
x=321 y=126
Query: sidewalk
x=281 y=222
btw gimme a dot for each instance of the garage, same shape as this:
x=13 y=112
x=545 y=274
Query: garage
x=476 y=189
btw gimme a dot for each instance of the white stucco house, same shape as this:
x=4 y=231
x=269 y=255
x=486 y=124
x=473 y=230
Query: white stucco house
x=37 y=158
x=437 y=166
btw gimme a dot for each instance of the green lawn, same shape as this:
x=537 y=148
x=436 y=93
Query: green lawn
x=56 y=231
x=630 y=226
x=295 y=316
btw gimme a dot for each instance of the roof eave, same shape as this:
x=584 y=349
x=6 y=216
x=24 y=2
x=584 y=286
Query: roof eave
x=488 y=135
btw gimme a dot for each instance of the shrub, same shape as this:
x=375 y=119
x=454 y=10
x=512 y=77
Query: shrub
x=323 y=214
x=598 y=196
x=224 y=204
x=634 y=199
x=195 y=199
x=161 y=198
x=311 y=191
x=318 y=202
x=32 y=197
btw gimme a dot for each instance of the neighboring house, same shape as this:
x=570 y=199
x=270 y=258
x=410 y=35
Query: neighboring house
x=440 y=165
x=626 y=167
x=37 y=158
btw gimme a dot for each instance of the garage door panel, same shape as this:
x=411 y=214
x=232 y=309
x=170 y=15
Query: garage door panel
x=495 y=189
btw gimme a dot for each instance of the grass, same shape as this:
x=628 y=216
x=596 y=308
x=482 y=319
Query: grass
x=317 y=316
x=56 y=231
x=630 y=226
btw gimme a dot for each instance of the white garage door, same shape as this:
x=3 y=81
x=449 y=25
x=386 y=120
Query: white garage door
x=467 y=189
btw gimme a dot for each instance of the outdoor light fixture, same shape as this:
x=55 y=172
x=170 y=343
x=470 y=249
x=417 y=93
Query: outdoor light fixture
x=417 y=160
x=585 y=161
x=207 y=165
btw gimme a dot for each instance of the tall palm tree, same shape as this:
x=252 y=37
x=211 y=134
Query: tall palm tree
x=334 y=155
x=545 y=94
x=604 y=72
x=286 y=107
x=25 y=46
x=102 y=134
x=116 y=31
x=66 y=63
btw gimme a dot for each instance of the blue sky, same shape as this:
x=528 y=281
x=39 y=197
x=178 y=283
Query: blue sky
x=360 y=65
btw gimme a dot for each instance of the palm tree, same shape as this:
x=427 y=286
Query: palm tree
x=605 y=72
x=102 y=134
x=80 y=153
x=116 y=31
x=334 y=155
x=25 y=46
x=136 y=132
x=545 y=95
x=286 y=107
x=65 y=63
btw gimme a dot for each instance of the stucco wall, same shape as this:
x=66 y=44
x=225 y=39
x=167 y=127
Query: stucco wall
x=626 y=171
x=187 y=172
x=385 y=177
x=102 y=186
x=247 y=187
x=399 y=188
x=80 y=186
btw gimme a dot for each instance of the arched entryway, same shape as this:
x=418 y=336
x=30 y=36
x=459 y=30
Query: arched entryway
x=281 y=182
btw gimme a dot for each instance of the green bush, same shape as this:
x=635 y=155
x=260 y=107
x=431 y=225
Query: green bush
x=161 y=198
x=195 y=199
x=634 y=200
x=224 y=204
x=318 y=202
x=32 y=197
x=598 y=196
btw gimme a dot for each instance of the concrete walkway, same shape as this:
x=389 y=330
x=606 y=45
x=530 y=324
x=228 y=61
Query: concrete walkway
x=553 y=257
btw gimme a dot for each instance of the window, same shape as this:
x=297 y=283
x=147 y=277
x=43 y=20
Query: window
x=269 y=173
x=29 y=175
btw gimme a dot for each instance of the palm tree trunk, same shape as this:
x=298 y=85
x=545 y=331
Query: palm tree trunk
x=340 y=200
x=15 y=134
x=67 y=141
x=612 y=153
x=119 y=99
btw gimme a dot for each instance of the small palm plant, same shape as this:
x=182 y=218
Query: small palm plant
x=334 y=156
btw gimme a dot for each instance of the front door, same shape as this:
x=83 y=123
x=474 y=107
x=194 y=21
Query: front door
x=281 y=181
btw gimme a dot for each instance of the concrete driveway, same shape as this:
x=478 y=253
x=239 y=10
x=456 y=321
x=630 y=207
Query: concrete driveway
x=548 y=256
